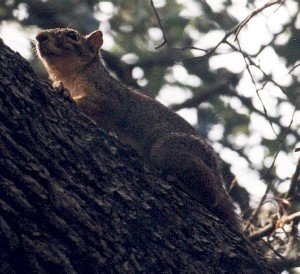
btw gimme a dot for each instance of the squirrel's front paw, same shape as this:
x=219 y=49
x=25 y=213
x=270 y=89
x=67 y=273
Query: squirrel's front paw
x=65 y=93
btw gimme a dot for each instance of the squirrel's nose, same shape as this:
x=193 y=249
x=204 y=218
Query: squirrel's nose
x=42 y=36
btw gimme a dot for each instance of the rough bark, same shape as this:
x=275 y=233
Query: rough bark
x=74 y=199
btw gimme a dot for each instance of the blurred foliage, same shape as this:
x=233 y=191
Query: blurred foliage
x=135 y=30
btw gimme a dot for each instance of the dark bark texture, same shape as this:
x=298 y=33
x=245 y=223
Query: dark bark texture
x=73 y=199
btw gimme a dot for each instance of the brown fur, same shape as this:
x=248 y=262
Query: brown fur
x=162 y=137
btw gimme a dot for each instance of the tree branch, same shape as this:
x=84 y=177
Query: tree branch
x=275 y=223
x=262 y=232
x=285 y=263
x=204 y=94
x=75 y=199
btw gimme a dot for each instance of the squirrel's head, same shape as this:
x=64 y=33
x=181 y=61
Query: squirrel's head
x=65 y=51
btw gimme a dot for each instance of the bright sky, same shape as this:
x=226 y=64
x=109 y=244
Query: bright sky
x=255 y=34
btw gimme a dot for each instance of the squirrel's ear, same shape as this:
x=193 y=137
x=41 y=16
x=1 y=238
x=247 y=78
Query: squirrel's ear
x=95 y=40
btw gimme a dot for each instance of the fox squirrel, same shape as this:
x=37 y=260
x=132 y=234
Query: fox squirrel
x=162 y=137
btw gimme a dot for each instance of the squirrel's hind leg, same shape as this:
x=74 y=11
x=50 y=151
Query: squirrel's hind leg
x=175 y=156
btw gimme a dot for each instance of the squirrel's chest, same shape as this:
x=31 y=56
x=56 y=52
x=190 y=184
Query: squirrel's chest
x=78 y=88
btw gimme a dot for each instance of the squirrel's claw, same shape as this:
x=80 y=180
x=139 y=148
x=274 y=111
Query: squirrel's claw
x=65 y=93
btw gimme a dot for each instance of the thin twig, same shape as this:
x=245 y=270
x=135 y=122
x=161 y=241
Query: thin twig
x=232 y=185
x=293 y=217
x=281 y=142
x=279 y=6
x=245 y=55
x=266 y=230
x=256 y=89
x=294 y=67
x=165 y=41
x=252 y=63
x=275 y=35
x=253 y=13
x=189 y=47
x=294 y=182
x=160 y=25
x=262 y=232
x=236 y=29
x=255 y=212
x=292 y=239
x=272 y=248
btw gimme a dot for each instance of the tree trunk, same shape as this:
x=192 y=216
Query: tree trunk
x=74 y=199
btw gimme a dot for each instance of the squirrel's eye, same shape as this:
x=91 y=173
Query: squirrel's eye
x=73 y=35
